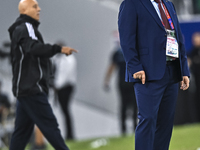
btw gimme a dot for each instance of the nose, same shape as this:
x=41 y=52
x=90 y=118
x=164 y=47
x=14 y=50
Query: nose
x=39 y=9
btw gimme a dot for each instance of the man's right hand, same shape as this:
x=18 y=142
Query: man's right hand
x=140 y=75
x=68 y=50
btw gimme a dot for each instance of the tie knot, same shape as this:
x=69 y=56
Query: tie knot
x=157 y=1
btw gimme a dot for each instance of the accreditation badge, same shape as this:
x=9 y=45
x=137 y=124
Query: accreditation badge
x=172 y=47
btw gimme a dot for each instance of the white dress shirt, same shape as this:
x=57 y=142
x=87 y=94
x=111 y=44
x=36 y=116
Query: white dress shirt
x=66 y=70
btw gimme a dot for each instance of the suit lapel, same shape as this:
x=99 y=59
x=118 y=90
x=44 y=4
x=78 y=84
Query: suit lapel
x=152 y=11
x=171 y=12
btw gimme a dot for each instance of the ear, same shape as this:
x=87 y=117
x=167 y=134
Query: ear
x=22 y=11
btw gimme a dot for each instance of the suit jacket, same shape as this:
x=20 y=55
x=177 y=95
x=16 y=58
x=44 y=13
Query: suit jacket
x=143 y=40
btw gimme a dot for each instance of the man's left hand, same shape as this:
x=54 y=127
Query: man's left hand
x=185 y=83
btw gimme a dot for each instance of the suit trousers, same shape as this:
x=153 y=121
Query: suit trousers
x=35 y=110
x=156 y=102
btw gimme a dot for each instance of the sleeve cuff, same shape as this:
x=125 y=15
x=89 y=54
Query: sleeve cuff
x=57 y=48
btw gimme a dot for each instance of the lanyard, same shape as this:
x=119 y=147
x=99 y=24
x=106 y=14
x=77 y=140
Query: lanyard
x=168 y=17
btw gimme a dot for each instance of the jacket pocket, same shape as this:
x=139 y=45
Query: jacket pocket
x=144 y=51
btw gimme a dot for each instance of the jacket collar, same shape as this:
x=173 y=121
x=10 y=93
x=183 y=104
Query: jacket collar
x=148 y=5
x=21 y=19
x=30 y=20
x=171 y=11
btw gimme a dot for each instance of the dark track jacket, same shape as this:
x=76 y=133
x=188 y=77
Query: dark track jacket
x=31 y=66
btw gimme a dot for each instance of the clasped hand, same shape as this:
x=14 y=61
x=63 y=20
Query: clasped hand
x=184 y=84
x=140 y=75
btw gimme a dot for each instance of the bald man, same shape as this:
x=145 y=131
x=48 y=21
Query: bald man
x=31 y=72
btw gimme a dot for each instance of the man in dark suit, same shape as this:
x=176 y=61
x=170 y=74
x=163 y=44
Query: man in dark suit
x=156 y=61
